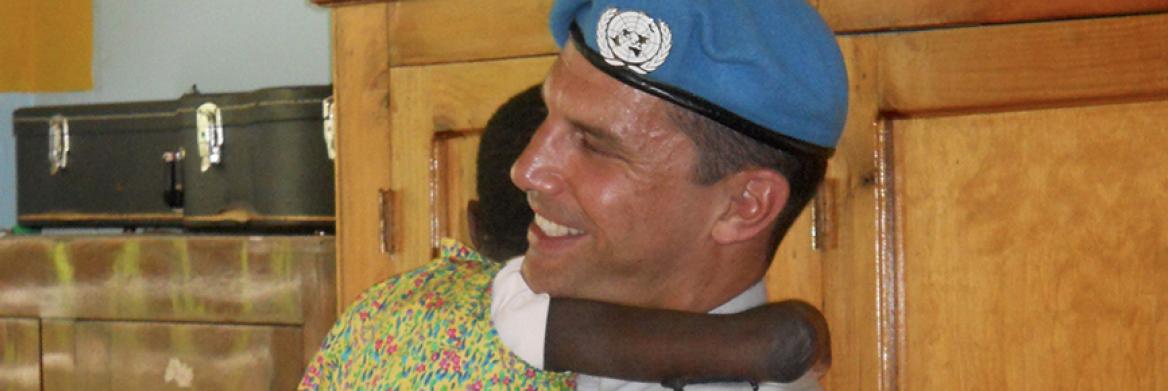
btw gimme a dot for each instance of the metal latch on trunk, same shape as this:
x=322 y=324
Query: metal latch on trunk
x=173 y=194
x=209 y=120
x=330 y=127
x=58 y=144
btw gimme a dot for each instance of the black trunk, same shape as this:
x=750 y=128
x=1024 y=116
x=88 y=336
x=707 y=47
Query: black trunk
x=124 y=167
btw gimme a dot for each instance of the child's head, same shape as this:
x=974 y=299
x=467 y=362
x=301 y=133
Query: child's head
x=499 y=218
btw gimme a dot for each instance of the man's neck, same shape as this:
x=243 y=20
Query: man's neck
x=753 y=296
x=731 y=273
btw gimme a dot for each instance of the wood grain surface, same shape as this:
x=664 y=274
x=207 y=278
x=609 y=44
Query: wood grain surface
x=865 y=15
x=97 y=355
x=455 y=156
x=172 y=278
x=851 y=275
x=1035 y=249
x=433 y=99
x=361 y=84
x=20 y=354
x=445 y=31
x=1031 y=65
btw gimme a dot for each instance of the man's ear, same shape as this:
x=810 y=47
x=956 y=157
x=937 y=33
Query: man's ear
x=755 y=198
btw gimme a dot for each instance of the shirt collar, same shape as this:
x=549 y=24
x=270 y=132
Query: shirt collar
x=752 y=297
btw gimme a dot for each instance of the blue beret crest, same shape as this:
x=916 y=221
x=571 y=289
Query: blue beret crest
x=633 y=40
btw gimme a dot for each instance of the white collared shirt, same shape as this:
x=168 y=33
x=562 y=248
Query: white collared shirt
x=520 y=318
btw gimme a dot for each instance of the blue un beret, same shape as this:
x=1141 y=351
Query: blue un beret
x=769 y=69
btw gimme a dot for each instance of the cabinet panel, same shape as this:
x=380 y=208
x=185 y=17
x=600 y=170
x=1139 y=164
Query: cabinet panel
x=455 y=154
x=1034 y=249
x=850 y=273
x=796 y=271
x=361 y=85
x=445 y=99
x=167 y=356
x=178 y=278
x=1028 y=65
x=860 y=15
x=20 y=354
x=443 y=31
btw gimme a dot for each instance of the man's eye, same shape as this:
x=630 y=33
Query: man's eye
x=587 y=144
x=584 y=141
x=592 y=147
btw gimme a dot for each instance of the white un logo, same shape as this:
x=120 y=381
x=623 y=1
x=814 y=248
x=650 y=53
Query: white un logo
x=633 y=40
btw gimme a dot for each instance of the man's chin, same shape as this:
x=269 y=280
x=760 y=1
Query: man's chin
x=544 y=274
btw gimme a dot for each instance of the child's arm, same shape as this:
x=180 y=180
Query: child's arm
x=777 y=342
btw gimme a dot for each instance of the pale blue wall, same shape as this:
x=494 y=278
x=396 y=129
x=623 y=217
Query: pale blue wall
x=9 y=102
x=157 y=49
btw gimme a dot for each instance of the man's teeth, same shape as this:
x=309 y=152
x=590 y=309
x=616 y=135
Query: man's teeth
x=554 y=230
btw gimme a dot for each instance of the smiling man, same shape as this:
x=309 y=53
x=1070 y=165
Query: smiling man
x=682 y=140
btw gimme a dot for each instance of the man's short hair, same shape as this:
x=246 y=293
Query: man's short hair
x=723 y=151
x=503 y=214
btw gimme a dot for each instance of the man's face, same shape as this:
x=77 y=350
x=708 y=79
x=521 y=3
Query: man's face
x=609 y=176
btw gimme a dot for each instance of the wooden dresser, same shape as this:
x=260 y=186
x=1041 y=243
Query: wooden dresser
x=994 y=217
x=162 y=312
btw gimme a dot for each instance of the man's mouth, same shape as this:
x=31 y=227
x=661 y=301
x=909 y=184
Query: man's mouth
x=554 y=230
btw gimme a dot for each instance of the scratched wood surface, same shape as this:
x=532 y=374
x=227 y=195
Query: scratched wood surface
x=422 y=32
x=1032 y=65
x=442 y=31
x=866 y=15
x=20 y=354
x=1034 y=249
x=851 y=274
x=361 y=87
x=100 y=355
x=174 y=278
x=455 y=154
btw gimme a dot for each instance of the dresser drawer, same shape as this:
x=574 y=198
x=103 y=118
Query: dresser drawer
x=110 y=355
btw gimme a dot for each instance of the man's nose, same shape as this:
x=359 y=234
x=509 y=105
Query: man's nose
x=539 y=167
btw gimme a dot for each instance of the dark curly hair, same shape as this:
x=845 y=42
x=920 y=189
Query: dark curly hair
x=502 y=215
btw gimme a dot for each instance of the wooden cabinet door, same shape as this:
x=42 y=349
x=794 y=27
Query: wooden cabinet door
x=20 y=354
x=1034 y=253
x=415 y=84
x=1019 y=210
x=439 y=113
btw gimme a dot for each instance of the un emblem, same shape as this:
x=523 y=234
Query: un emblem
x=632 y=39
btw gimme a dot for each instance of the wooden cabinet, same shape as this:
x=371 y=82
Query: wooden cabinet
x=20 y=354
x=1017 y=274
x=993 y=218
x=162 y=312
x=1002 y=236
x=105 y=355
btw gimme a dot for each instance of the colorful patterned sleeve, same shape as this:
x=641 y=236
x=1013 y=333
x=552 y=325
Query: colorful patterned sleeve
x=426 y=329
x=324 y=369
x=327 y=369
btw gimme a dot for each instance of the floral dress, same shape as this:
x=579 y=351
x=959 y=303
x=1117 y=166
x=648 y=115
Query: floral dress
x=427 y=329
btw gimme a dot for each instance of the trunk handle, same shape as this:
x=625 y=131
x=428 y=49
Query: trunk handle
x=58 y=144
x=209 y=119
